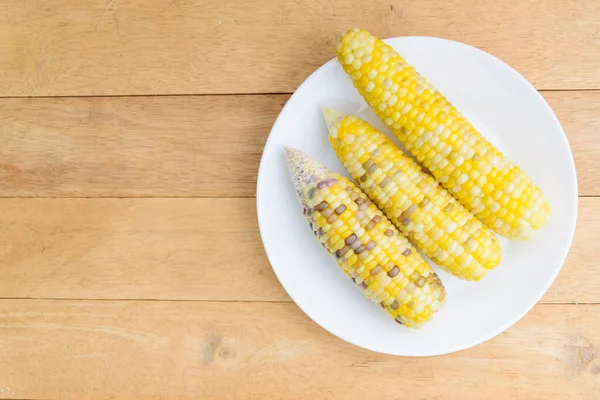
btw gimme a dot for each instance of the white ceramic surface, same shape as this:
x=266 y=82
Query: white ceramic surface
x=507 y=110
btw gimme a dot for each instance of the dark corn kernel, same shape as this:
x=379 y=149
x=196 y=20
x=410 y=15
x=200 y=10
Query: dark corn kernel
x=402 y=217
x=355 y=245
x=331 y=219
x=411 y=209
x=312 y=192
x=420 y=282
x=376 y=270
x=370 y=225
x=309 y=212
x=322 y=184
x=321 y=206
x=364 y=285
x=372 y=168
x=407 y=252
x=376 y=218
x=341 y=252
x=350 y=239
x=388 y=232
x=370 y=245
x=394 y=271
x=340 y=209
x=368 y=164
x=359 y=249
x=395 y=305
x=320 y=231
x=400 y=319
x=363 y=206
x=364 y=178
x=359 y=200
x=385 y=181
x=407 y=221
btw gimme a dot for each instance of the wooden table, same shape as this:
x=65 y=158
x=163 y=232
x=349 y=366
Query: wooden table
x=131 y=265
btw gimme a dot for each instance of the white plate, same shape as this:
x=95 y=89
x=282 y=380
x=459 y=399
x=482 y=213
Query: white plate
x=506 y=109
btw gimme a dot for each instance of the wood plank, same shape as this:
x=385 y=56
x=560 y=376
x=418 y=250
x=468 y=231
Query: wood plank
x=578 y=115
x=156 y=350
x=134 y=249
x=151 y=146
x=109 y=47
x=184 y=249
x=184 y=146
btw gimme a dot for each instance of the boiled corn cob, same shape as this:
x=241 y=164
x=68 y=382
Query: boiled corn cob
x=424 y=212
x=475 y=172
x=369 y=249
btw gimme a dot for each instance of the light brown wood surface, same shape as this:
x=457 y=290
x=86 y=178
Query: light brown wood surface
x=131 y=265
x=185 y=146
x=108 y=47
x=207 y=350
x=165 y=249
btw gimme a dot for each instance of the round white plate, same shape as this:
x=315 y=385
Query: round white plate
x=507 y=110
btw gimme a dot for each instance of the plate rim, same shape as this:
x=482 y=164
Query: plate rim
x=527 y=307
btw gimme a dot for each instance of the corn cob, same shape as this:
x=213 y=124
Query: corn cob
x=423 y=211
x=476 y=173
x=366 y=245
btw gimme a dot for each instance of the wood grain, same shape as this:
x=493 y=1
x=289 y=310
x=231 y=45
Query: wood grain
x=184 y=146
x=184 y=249
x=155 y=350
x=581 y=123
x=135 y=146
x=116 y=47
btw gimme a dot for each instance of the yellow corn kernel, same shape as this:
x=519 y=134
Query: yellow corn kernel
x=374 y=255
x=444 y=141
x=425 y=213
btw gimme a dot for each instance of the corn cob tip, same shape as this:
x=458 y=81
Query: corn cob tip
x=332 y=117
x=304 y=171
x=347 y=33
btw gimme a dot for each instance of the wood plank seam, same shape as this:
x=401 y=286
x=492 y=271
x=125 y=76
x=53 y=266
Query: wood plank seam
x=149 y=300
